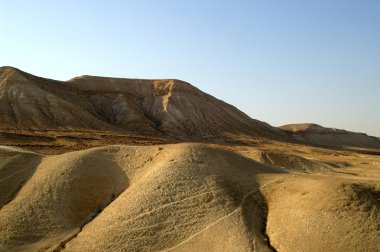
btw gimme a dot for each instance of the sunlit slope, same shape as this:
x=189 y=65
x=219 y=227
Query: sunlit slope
x=183 y=197
x=153 y=198
x=320 y=213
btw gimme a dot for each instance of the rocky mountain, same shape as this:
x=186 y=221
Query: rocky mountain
x=161 y=107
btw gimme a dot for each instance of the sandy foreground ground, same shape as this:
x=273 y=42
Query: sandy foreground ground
x=190 y=197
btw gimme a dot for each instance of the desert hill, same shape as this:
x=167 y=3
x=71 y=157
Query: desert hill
x=316 y=134
x=169 y=108
x=245 y=186
x=56 y=116
x=185 y=197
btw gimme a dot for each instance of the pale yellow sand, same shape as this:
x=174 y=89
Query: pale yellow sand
x=192 y=197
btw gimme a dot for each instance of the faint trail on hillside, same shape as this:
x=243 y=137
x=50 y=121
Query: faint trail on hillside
x=220 y=219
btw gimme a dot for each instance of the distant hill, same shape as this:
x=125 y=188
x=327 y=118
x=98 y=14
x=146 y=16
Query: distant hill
x=316 y=134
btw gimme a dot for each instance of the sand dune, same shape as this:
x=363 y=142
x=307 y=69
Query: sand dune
x=183 y=197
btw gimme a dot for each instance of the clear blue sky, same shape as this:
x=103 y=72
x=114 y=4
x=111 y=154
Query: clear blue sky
x=278 y=61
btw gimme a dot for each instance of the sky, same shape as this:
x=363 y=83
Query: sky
x=281 y=62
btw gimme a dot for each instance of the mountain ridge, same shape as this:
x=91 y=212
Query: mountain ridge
x=168 y=110
x=168 y=106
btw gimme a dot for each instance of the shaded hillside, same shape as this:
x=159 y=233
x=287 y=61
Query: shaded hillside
x=316 y=134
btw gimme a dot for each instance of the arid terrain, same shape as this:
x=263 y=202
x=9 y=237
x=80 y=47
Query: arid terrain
x=108 y=164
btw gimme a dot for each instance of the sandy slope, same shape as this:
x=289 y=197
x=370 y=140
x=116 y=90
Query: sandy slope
x=16 y=167
x=319 y=213
x=192 y=197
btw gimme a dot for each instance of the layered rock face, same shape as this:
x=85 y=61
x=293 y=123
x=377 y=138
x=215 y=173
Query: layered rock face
x=165 y=107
